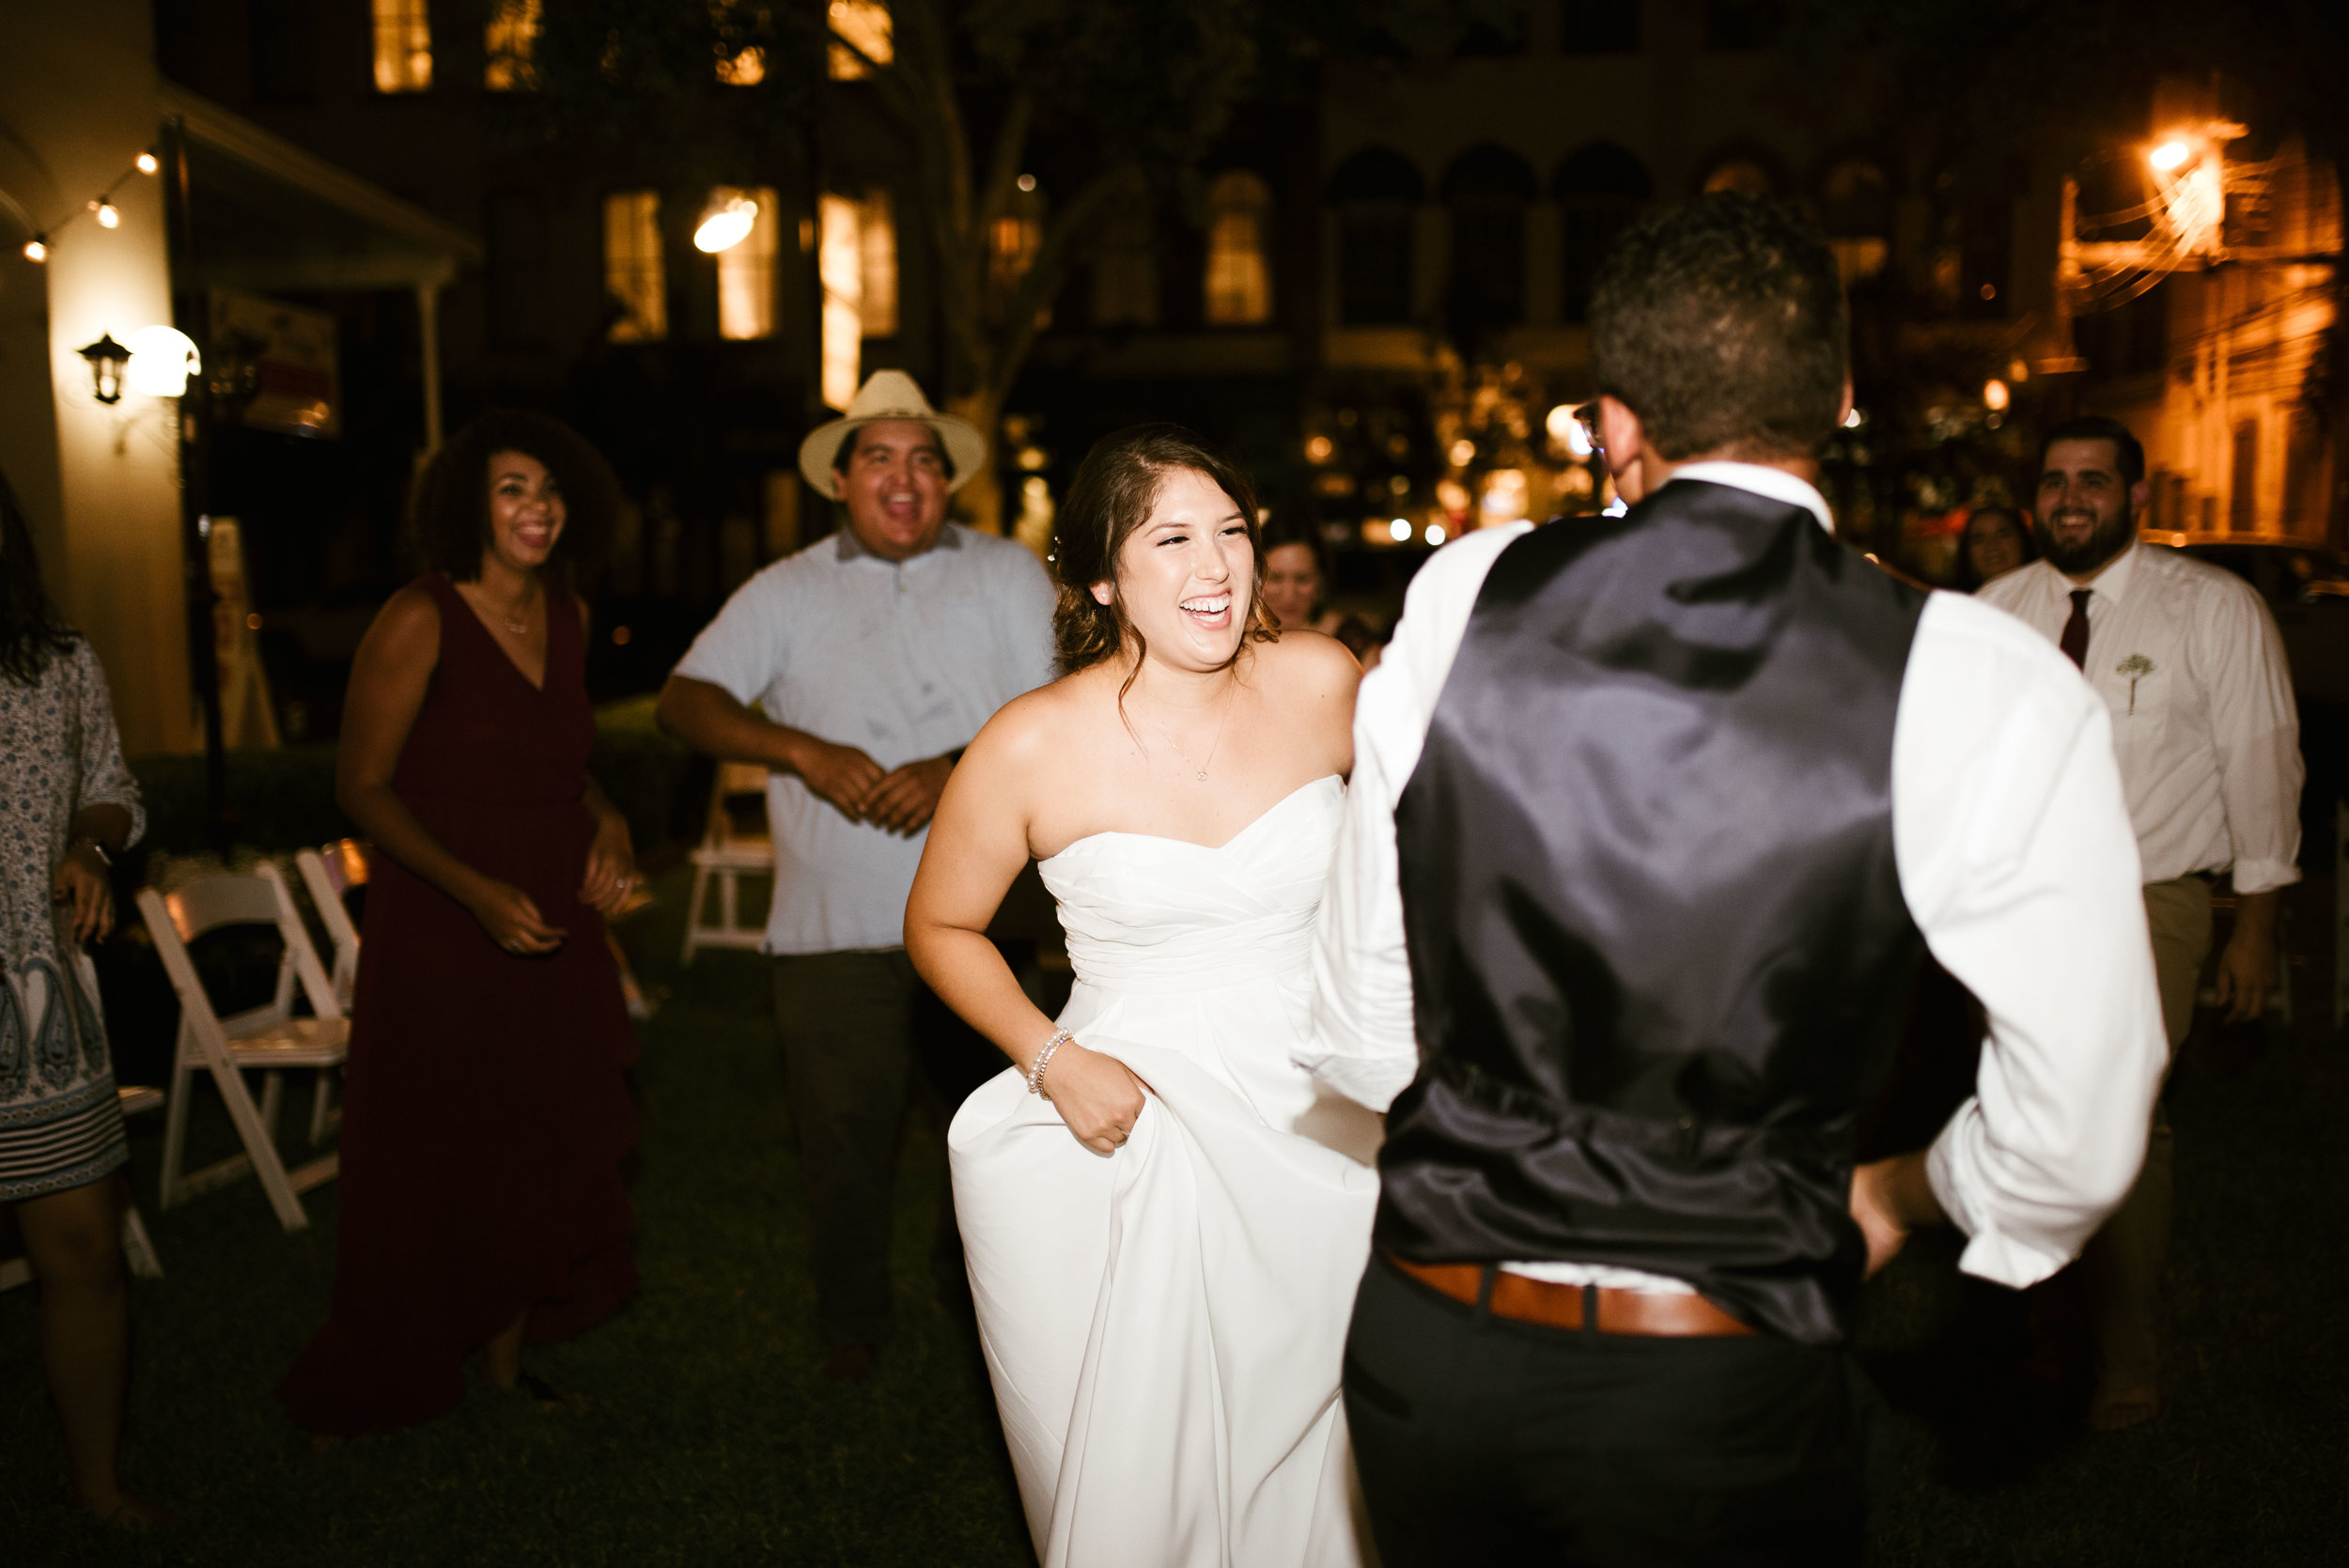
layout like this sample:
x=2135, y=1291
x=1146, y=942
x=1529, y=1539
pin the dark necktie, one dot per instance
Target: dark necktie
x=2075, y=639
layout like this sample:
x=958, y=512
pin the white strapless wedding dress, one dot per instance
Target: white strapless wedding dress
x=1164, y=1326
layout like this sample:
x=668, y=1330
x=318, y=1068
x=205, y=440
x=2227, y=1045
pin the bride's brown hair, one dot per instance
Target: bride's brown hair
x=1115, y=486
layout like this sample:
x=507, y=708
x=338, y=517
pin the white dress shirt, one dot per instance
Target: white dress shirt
x=2189, y=662
x=2015, y=859
x=901, y=659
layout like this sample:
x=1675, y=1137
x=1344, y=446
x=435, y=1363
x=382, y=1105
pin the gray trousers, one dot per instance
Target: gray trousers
x=862, y=1041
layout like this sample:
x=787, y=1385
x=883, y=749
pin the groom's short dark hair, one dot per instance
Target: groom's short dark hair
x=1721, y=324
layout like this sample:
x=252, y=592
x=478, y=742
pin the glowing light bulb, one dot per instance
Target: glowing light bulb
x=1399, y=530
x=107, y=216
x=36, y=250
x=2168, y=156
x=727, y=227
x=1566, y=427
x=161, y=360
x=147, y=162
x=1994, y=397
x=1435, y=534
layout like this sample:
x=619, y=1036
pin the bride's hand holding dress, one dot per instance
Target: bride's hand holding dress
x=1163, y=1245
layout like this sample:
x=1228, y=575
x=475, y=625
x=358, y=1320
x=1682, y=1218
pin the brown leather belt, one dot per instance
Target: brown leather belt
x=1620, y=1311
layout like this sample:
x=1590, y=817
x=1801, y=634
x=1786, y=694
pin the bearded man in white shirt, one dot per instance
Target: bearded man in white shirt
x=1651, y=817
x=2189, y=664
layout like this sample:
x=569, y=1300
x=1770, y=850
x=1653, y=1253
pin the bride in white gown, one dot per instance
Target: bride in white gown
x=1163, y=1243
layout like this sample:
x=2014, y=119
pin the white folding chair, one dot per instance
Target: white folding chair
x=327, y=875
x=138, y=1248
x=725, y=857
x=268, y=1038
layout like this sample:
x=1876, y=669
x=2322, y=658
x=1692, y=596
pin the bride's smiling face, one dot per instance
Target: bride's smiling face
x=1184, y=575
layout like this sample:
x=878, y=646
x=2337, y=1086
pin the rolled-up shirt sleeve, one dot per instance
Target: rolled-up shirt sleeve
x=2255, y=729
x=1364, y=1043
x=2019, y=864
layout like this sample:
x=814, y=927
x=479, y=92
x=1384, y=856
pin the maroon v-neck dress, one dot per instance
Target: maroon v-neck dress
x=486, y=1115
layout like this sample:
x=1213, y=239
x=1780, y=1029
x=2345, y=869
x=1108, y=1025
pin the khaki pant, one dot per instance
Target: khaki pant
x=2123, y=1263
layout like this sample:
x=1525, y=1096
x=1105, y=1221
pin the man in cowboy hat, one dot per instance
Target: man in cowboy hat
x=873, y=656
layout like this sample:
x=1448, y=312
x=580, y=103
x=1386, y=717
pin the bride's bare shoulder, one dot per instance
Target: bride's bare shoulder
x=1309, y=666
x=1030, y=728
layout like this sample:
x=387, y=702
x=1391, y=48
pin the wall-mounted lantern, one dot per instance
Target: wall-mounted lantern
x=107, y=359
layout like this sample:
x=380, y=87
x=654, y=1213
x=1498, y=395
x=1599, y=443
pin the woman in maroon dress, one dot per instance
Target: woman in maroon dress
x=485, y=1113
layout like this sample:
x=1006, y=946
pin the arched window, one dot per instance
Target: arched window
x=1376, y=194
x=1600, y=187
x=1239, y=269
x=1856, y=210
x=1488, y=189
x=1972, y=240
x=1741, y=172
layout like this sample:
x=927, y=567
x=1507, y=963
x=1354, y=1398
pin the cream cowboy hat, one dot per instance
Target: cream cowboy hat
x=891, y=394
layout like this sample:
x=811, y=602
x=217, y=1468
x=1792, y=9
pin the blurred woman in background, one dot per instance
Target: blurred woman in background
x=1297, y=589
x=68, y=806
x=1995, y=541
x=486, y=1113
x=1296, y=579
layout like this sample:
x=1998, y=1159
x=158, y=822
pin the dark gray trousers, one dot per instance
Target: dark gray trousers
x=863, y=1040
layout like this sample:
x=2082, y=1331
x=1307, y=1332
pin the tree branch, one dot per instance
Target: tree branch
x=1072, y=234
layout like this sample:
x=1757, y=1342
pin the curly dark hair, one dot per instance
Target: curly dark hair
x=1721, y=323
x=449, y=513
x=33, y=630
x=1112, y=495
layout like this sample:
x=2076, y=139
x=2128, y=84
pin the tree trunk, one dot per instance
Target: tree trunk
x=979, y=502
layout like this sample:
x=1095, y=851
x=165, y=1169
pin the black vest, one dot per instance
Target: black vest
x=1659, y=948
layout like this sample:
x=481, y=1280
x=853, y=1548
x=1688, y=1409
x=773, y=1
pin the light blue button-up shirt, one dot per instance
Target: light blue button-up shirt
x=901, y=659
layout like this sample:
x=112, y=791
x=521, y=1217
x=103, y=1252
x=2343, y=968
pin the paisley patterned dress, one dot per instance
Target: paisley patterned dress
x=61, y=1125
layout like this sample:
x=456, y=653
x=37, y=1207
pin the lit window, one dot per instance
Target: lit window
x=860, y=28
x=1239, y=277
x=745, y=69
x=1856, y=213
x=856, y=256
x=1012, y=245
x=877, y=255
x=746, y=271
x=840, y=263
x=1125, y=273
x=511, y=36
x=403, y=46
x=634, y=280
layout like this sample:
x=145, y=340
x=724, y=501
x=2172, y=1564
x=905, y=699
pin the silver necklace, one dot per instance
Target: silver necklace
x=1200, y=774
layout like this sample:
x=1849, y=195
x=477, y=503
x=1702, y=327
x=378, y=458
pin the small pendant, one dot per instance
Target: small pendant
x=1200, y=775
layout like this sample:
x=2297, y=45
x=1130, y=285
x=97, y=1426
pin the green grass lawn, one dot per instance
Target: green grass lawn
x=709, y=1440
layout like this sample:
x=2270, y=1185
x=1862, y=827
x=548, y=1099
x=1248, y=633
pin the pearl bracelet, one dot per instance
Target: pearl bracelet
x=1035, y=1074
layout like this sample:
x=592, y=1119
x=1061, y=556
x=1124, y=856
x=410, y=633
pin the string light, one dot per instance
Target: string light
x=101, y=206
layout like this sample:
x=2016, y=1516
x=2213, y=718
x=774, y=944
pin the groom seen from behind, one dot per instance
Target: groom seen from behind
x=1651, y=820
